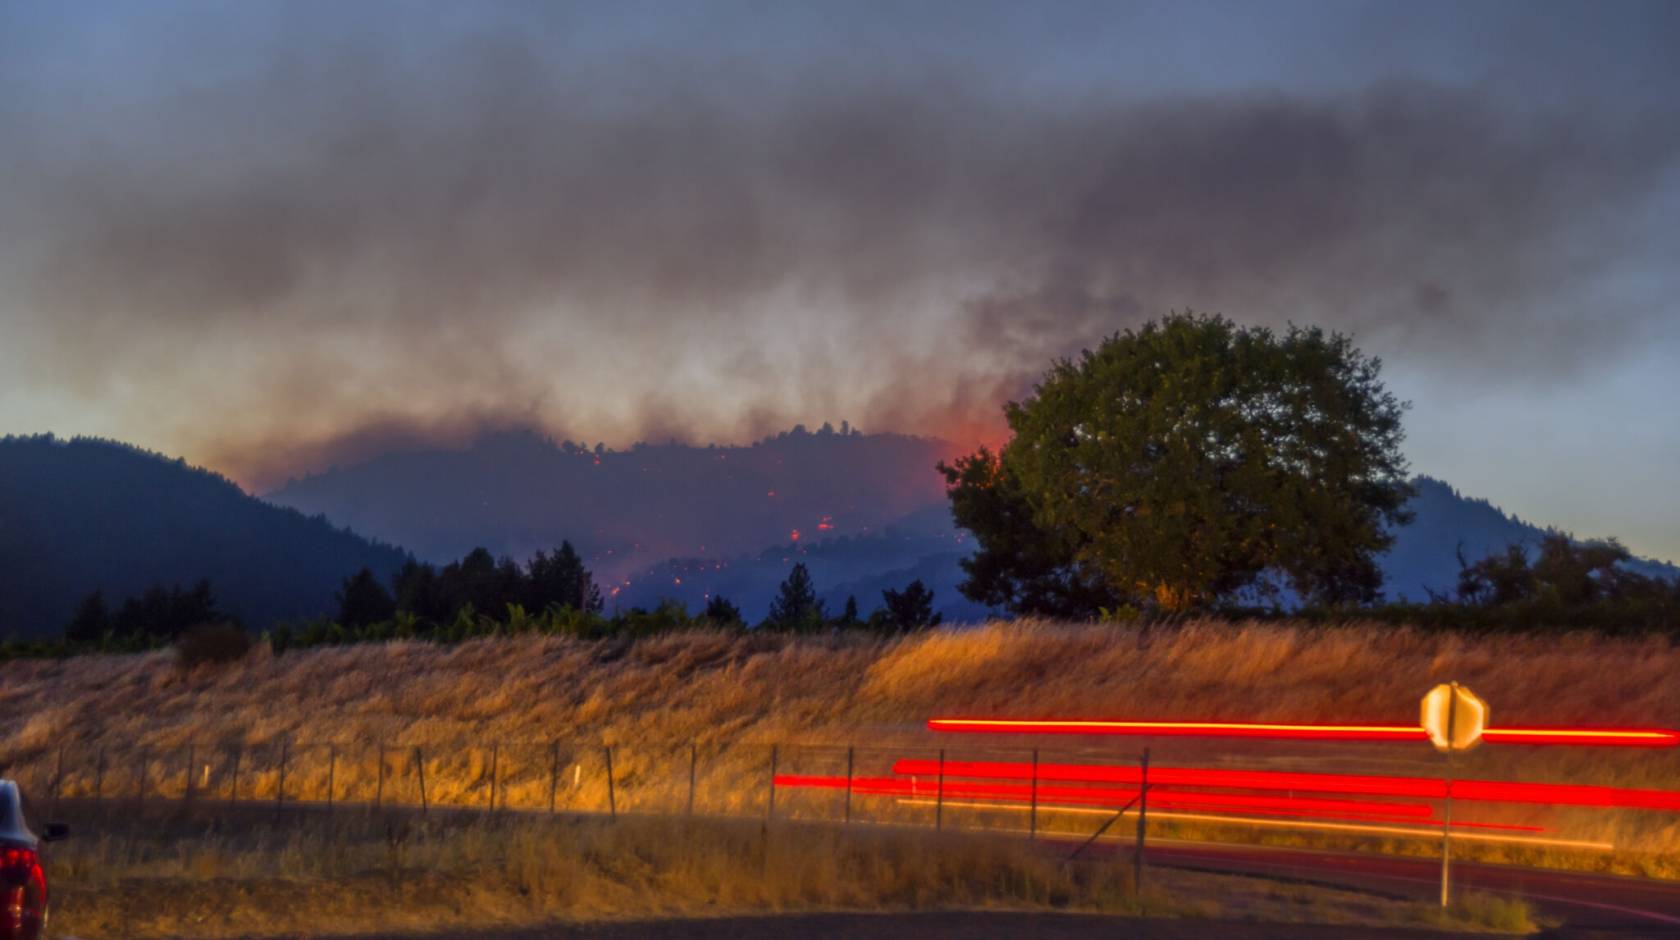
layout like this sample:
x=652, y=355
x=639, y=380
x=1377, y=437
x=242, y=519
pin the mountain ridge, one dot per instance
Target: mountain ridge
x=85, y=514
x=864, y=512
x=517, y=492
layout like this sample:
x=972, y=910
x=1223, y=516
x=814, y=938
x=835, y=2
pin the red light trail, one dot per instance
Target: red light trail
x=1489, y=791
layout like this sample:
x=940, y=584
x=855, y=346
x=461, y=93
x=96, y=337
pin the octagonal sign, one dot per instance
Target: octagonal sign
x=1454, y=717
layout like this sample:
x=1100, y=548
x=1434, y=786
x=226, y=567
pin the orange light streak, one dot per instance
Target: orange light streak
x=1409, y=832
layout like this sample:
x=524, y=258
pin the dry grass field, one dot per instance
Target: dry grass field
x=320, y=877
x=732, y=695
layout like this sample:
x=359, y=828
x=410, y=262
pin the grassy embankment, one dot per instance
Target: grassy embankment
x=734, y=695
x=323, y=877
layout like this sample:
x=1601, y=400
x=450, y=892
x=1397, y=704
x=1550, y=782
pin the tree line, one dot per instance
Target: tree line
x=556, y=594
x=475, y=596
x=1561, y=582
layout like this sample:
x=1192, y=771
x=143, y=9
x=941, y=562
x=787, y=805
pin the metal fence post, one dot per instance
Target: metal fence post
x=1143, y=817
x=553, y=774
x=770, y=811
x=939, y=795
x=1032, y=812
x=332, y=772
x=1446, y=834
x=693, y=761
x=848, y=785
x=612, y=797
x=495, y=756
x=420, y=765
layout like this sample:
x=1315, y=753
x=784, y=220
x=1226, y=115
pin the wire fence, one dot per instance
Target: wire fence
x=1064, y=793
x=815, y=782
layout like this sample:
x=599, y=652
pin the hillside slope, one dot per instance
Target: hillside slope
x=83, y=514
x=863, y=512
x=735, y=694
x=515, y=493
x=925, y=545
x=1425, y=554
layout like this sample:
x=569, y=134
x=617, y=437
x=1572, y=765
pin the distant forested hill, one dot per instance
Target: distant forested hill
x=517, y=492
x=1425, y=553
x=684, y=521
x=84, y=514
x=926, y=545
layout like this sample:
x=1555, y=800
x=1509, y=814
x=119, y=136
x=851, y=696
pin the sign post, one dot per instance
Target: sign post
x=1453, y=717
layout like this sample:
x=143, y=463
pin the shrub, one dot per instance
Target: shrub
x=1494, y=912
x=212, y=643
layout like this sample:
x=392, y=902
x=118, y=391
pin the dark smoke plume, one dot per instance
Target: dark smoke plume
x=342, y=246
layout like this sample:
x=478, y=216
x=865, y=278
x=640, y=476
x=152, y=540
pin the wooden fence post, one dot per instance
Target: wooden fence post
x=495, y=754
x=553, y=774
x=280, y=784
x=770, y=810
x=332, y=772
x=420, y=763
x=145, y=759
x=58, y=782
x=612, y=797
x=192, y=758
x=233, y=783
x=693, y=762
x=99, y=780
x=379, y=788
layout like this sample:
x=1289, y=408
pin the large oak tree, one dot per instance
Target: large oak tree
x=1184, y=464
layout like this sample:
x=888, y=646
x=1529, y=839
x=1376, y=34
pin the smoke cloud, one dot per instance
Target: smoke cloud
x=336, y=248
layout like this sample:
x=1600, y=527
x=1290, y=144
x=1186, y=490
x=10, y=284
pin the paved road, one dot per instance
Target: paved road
x=1585, y=903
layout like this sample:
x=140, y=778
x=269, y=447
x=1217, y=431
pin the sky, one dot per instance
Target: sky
x=271, y=237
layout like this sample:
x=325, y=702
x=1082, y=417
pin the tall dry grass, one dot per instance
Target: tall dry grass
x=315, y=876
x=731, y=695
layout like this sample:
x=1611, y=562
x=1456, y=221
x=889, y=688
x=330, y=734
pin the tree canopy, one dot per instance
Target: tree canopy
x=363, y=600
x=161, y=613
x=1187, y=463
x=911, y=608
x=796, y=607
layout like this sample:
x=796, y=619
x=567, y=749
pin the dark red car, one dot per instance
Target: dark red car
x=23, y=877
